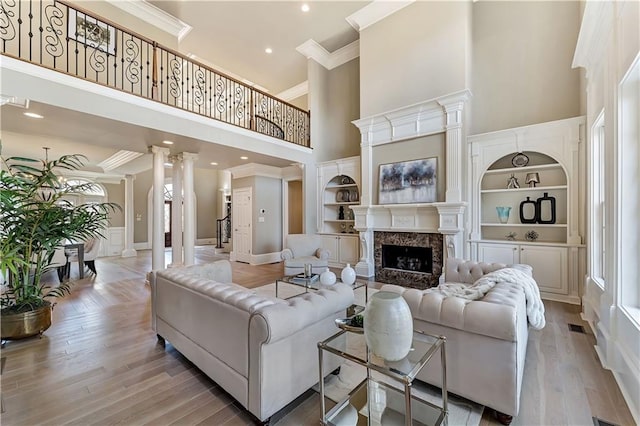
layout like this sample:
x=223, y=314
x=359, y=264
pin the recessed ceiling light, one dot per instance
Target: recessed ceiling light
x=213, y=163
x=33, y=115
x=167, y=142
x=304, y=7
x=244, y=158
x=268, y=50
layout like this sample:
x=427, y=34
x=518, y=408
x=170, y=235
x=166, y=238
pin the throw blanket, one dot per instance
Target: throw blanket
x=535, y=308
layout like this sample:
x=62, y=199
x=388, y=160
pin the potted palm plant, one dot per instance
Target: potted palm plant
x=37, y=217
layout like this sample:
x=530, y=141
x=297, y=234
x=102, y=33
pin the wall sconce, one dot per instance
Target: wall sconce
x=532, y=179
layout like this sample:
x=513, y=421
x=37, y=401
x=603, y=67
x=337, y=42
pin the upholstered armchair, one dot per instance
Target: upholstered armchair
x=301, y=249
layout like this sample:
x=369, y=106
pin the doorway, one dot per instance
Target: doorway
x=167, y=222
x=241, y=224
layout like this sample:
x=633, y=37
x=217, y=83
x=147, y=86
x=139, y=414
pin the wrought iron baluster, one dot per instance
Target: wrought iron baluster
x=7, y=27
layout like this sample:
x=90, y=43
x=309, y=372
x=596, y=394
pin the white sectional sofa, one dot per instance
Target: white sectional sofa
x=261, y=350
x=486, y=338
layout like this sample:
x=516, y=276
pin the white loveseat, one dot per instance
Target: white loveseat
x=261, y=350
x=486, y=338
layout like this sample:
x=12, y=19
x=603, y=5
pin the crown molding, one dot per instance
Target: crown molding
x=374, y=12
x=595, y=30
x=294, y=92
x=118, y=159
x=311, y=49
x=254, y=169
x=94, y=176
x=154, y=16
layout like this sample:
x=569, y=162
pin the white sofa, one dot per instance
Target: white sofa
x=486, y=338
x=261, y=350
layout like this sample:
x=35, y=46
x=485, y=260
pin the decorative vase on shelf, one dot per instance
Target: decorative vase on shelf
x=546, y=209
x=388, y=326
x=341, y=213
x=528, y=211
x=503, y=214
x=348, y=275
x=327, y=278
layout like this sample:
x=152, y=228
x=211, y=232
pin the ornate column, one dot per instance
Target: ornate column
x=128, y=251
x=157, y=239
x=453, y=106
x=189, y=240
x=176, y=212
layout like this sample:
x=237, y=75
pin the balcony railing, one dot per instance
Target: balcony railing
x=56, y=35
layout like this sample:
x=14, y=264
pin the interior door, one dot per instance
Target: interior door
x=167, y=223
x=241, y=222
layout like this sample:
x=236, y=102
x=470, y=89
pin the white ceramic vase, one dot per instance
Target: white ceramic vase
x=327, y=278
x=348, y=275
x=388, y=326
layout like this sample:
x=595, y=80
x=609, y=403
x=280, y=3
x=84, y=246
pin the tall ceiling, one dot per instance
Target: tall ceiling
x=234, y=35
x=230, y=35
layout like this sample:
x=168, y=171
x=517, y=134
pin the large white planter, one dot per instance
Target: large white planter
x=388, y=326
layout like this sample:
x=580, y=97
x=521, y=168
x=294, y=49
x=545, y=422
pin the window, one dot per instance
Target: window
x=598, y=221
x=629, y=196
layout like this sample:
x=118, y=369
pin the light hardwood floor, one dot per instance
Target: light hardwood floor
x=99, y=363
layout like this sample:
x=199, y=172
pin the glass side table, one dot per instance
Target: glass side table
x=375, y=400
x=308, y=284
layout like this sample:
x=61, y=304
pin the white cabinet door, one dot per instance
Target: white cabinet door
x=549, y=267
x=501, y=253
x=349, y=247
x=330, y=242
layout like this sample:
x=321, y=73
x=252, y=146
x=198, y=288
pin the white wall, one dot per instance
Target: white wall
x=608, y=44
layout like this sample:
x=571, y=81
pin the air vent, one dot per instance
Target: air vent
x=576, y=328
x=600, y=422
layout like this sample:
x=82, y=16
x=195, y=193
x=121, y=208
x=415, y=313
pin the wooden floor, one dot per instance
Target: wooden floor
x=99, y=363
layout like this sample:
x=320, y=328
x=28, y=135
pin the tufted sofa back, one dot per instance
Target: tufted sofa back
x=467, y=271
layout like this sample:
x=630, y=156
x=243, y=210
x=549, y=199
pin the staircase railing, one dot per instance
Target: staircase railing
x=74, y=41
x=223, y=230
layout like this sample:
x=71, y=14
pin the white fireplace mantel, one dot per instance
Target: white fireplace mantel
x=440, y=115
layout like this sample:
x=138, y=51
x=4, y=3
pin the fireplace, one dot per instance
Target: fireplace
x=409, y=259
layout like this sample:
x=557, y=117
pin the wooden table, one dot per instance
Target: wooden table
x=80, y=248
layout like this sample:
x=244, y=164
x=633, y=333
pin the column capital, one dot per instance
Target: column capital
x=129, y=177
x=175, y=158
x=188, y=156
x=153, y=149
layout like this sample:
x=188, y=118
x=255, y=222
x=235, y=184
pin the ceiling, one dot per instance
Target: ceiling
x=232, y=35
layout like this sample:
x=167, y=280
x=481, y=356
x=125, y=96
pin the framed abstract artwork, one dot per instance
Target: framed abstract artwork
x=92, y=32
x=408, y=182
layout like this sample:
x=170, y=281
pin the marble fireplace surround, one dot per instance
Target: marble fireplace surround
x=439, y=115
x=411, y=239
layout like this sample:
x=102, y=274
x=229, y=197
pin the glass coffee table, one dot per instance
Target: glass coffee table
x=385, y=395
x=309, y=284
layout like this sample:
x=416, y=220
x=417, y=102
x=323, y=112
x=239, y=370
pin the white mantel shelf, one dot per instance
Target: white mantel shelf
x=444, y=218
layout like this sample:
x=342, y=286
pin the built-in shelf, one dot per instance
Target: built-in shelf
x=348, y=185
x=527, y=225
x=524, y=169
x=343, y=203
x=527, y=189
x=339, y=220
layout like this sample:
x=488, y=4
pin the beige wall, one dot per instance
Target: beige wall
x=115, y=194
x=295, y=207
x=267, y=194
x=412, y=149
x=302, y=102
x=141, y=185
x=205, y=185
x=418, y=53
x=522, y=56
x=334, y=100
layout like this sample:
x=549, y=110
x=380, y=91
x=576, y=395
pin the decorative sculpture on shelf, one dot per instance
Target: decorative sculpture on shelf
x=546, y=209
x=531, y=235
x=526, y=215
x=341, y=213
x=511, y=236
x=513, y=182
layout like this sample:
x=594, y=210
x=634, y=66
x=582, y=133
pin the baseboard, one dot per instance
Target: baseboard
x=573, y=300
x=206, y=241
x=142, y=246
